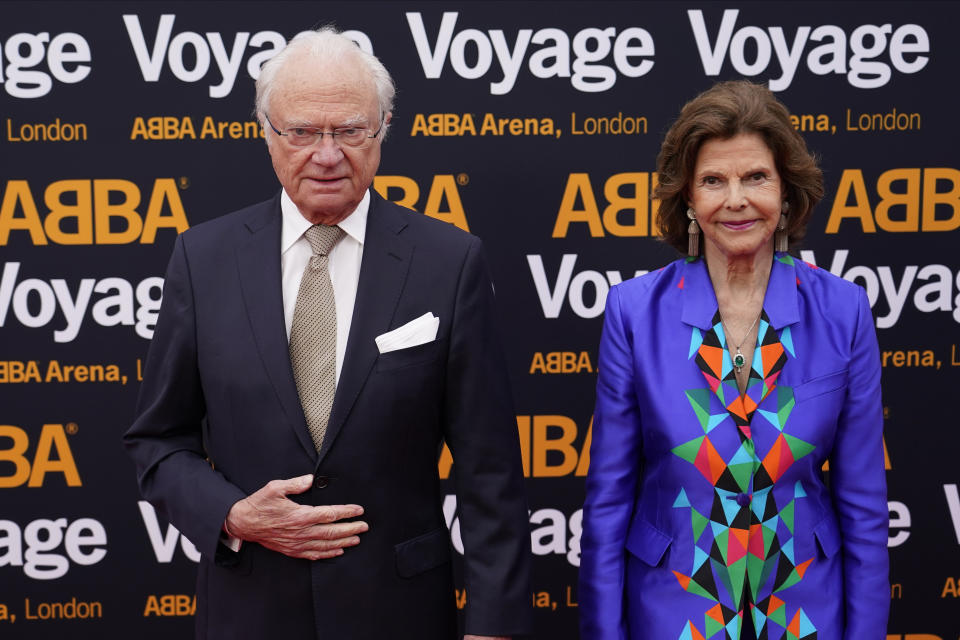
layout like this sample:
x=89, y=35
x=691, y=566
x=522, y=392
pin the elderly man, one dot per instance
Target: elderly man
x=311, y=354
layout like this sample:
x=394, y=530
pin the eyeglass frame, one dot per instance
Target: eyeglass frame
x=332, y=133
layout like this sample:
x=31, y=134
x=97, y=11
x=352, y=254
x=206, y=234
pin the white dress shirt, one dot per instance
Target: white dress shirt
x=343, y=262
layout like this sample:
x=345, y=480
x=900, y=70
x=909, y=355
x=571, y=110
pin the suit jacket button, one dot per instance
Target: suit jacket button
x=743, y=499
x=321, y=482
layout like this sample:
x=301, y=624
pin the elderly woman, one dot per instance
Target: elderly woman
x=726, y=380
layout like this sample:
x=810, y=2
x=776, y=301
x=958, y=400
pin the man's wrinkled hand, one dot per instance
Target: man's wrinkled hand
x=269, y=518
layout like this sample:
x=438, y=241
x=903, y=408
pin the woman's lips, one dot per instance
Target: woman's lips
x=739, y=226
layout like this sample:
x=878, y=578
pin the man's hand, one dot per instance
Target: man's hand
x=269, y=518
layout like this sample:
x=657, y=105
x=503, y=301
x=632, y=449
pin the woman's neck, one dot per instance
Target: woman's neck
x=739, y=280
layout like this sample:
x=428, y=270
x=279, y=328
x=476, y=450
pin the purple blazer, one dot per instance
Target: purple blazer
x=696, y=496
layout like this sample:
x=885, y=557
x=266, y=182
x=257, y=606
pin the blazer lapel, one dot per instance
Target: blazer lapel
x=258, y=260
x=383, y=272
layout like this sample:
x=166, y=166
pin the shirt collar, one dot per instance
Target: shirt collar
x=294, y=224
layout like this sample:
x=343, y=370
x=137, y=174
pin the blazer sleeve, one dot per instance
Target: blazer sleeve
x=480, y=429
x=611, y=484
x=858, y=483
x=165, y=440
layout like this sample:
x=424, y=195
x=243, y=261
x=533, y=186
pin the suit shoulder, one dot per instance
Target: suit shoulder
x=825, y=283
x=423, y=228
x=224, y=226
x=651, y=284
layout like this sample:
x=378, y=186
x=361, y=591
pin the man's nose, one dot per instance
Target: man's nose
x=326, y=151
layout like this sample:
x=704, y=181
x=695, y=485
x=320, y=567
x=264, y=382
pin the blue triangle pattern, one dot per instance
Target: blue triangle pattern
x=772, y=418
x=759, y=502
x=730, y=506
x=798, y=491
x=696, y=339
x=786, y=339
x=715, y=420
x=699, y=557
x=787, y=549
x=806, y=627
x=682, y=500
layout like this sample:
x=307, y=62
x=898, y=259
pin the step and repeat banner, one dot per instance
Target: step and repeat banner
x=533, y=125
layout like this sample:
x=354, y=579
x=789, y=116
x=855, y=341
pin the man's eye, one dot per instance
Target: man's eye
x=349, y=131
x=299, y=132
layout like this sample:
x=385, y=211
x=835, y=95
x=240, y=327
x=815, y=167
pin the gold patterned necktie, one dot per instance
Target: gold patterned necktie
x=313, y=335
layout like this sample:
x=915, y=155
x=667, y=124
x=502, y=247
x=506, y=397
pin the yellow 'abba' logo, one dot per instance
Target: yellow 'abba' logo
x=443, y=198
x=548, y=447
x=908, y=201
x=560, y=362
x=52, y=455
x=91, y=212
x=171, y=128
x=170, y=605
x=628, y=209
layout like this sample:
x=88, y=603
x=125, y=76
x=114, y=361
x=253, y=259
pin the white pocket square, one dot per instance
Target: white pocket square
x=418, y=331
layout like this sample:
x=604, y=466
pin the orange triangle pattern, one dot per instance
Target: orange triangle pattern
x=794, y=626
x=802, y=568
x=770, y=353
x=716, y=613
x=775, y=603
x=778, y=459
x=736, y=545
x=713, y=357
x=682, y=579
x=709, y=462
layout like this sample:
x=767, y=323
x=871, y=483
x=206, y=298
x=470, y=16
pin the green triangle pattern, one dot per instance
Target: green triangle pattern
x=711, y=626
x=786, y=514
x=785, y=403
x=699, y=523
x=722, y=540
x=738, y=573
x=754, y=572
x=798, y=447
x=689, y=450
x=700, y=401
x=720, y=571
x=791, y=580
x=741, y=473
x=769, y=567
x=779, y=616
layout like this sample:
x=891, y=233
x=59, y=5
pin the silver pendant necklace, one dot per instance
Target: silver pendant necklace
x=738, y=359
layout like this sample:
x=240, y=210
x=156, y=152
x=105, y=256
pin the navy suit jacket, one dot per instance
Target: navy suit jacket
x=219, y=416
x=697, y=494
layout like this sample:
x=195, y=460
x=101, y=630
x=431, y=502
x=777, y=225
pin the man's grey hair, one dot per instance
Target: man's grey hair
x=325, y=46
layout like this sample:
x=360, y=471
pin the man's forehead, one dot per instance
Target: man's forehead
x=309, y=84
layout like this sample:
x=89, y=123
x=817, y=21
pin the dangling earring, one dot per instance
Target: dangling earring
x=781, y=241
x=693, y=234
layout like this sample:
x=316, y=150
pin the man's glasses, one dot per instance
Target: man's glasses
x=306, y=136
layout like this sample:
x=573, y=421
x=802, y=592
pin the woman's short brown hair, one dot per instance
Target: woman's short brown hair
x=723, y=111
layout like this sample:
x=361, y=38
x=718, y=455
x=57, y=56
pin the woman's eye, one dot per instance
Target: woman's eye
x=711, y=180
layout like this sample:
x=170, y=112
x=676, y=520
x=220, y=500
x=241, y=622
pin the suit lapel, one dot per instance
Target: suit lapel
x=258, y=260
x=383, y=272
